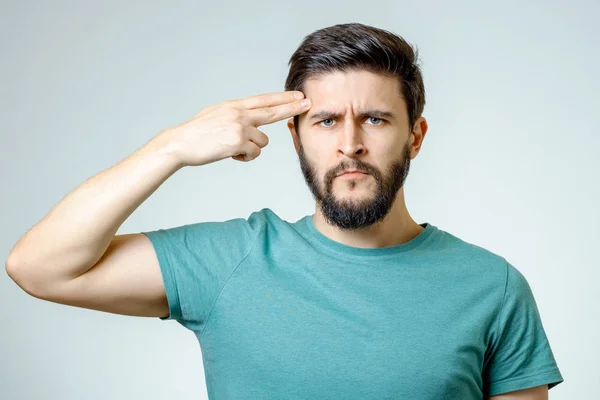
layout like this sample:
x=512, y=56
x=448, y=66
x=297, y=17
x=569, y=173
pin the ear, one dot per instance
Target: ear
x=295, y=138
x=417, y=136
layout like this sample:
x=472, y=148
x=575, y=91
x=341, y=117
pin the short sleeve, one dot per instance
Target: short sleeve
x=519, y=355
x=195, y=262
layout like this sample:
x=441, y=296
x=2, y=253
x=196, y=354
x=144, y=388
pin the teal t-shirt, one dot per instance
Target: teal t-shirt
x=283, y=312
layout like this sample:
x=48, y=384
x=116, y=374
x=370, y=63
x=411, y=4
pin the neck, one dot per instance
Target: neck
x=396, y=228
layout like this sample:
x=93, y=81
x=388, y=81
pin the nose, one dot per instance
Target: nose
x=351, y=140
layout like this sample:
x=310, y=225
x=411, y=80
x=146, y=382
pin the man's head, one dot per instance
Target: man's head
x=367, y=98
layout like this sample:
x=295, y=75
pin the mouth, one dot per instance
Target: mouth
x=353, y=174
x=351, y=171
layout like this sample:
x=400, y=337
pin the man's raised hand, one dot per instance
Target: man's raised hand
x=230, y=129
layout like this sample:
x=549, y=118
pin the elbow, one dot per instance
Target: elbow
x=15, y=271
x=11, y=267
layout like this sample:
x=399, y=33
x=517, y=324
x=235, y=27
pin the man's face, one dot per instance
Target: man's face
x=342, y=131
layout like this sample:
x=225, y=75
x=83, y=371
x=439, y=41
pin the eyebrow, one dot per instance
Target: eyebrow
x=368, y=113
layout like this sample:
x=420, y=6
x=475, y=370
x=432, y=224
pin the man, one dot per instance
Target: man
x=357, y=301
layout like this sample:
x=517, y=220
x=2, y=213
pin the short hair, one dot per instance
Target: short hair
x=354, y=47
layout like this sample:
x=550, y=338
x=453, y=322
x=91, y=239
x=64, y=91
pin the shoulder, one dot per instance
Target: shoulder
x=470, y=255
x=490, y=266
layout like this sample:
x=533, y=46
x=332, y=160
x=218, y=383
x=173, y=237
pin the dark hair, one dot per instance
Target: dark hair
x=352, y=47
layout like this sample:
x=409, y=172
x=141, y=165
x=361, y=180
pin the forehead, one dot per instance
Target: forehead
x=359, y=90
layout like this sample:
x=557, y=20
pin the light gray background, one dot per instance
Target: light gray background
x=509, y=163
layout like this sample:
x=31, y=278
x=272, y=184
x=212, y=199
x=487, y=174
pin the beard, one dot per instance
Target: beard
x=356, y=214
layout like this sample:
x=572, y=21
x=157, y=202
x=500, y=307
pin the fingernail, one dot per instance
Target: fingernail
x=305, y=102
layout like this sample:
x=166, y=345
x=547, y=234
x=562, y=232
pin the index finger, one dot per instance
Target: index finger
x=270, y=99
x=268, y=115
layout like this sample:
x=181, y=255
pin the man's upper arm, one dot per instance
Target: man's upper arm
x=519, y=356
x=534, y=393
x=126, y=280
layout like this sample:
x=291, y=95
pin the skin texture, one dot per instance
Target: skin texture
x=368, y=211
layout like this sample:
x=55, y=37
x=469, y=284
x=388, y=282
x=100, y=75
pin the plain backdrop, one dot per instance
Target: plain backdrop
x=510, y=161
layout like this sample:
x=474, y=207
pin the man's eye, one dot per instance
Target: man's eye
x=377, y=119
x=374, y=120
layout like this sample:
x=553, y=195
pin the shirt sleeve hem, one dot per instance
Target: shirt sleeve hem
x=551, y=378
x=169, y=280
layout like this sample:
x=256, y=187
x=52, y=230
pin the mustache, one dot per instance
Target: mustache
x=357, y=165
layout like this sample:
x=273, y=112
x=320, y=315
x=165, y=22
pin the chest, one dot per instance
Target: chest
x=371, y=337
